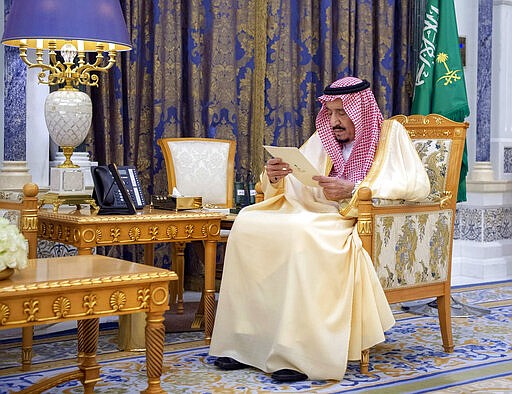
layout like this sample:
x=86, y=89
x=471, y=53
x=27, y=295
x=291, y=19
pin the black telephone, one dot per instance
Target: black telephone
x=117, y=190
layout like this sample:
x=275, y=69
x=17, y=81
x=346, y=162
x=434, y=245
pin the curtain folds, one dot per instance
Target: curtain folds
x=248, y=70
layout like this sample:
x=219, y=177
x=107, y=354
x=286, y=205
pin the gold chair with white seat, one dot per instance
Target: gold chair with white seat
x=199, y=167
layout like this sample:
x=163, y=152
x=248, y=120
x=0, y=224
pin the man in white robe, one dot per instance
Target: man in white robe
x=299, y=295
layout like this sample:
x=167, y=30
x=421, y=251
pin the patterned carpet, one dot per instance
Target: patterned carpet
x=410, y=361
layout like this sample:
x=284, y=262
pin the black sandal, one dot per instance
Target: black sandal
x=228, y=364
x=288, y=375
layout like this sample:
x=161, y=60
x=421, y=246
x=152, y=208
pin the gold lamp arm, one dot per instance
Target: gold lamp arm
x=71, y=74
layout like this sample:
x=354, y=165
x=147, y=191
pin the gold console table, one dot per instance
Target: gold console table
x=86, y=230
x=85, y=288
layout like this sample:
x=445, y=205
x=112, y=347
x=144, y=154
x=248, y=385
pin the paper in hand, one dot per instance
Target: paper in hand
x=302, y=168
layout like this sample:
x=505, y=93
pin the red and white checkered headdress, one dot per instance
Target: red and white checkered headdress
x=360, y=105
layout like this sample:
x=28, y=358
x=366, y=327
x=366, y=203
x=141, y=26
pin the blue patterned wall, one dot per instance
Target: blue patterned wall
x=15, y=119
x=483, y=117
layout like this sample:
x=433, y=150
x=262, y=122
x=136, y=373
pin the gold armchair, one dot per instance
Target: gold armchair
x=410, y=244
x=21, y=209
x=199, y=167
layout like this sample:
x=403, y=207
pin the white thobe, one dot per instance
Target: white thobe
x=298, y=290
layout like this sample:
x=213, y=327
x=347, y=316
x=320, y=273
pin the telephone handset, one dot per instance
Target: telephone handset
x=117, y=190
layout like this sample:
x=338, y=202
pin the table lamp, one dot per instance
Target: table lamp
x=71, y=27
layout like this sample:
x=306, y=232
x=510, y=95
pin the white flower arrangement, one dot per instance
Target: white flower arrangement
x=13, y=246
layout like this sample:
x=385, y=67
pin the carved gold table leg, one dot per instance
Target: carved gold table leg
x=199, y=317
x=209, y=288
x=88, y=332
x=180, y=270
x=155, y=332
x=79, y=341
x=26, y=348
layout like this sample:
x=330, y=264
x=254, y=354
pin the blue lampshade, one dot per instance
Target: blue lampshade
x=87, y=21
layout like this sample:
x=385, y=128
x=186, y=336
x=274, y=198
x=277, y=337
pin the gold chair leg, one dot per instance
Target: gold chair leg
x=365, y=361
x=445, y=322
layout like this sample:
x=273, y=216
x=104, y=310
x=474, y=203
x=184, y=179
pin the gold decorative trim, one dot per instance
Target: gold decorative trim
x=29, y=223
x=431, y=133
x=89, y=303
x=446, y=199
x=364, y=226
x=143, y=297
x=153, y=231
x=30, y=309
x=88, y=235
x=154, y=217
x=214, y=229
x=189, y=230
x=61, y=307
x=159, y=295
x=134, y=233
x=4, y=314
x=171, y=231
x=117, y=300
x=115, y=232
x=116, y=303
x=91, y=281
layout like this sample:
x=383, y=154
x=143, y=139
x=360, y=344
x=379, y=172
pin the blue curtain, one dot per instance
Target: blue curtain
x=248, y=70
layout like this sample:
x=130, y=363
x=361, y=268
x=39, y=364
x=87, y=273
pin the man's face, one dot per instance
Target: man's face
x=342, y=127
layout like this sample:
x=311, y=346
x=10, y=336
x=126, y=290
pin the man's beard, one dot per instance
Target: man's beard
x=340, y=140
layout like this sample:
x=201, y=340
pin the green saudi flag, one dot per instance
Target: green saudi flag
x=439, y=84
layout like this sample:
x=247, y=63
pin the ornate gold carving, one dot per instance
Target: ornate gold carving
x=117, y=300
x=88, y=235
x=98, y=234
x=153, y=231
x=89, y=303
x=43, y=228
x=214, y=229
x=76, y=235
x=172, y=231
x=59, y=231
x=143, y=297
x=134, y=233
x=29, y=223
x=430, y=133
x=68, y=234
x=98, y=280
x=364, y=226
x=4, y=314
x=159, y=295
x=61, y=306
x=189, y=230
x=115, y=232
x=446, y=199
x=30, y=309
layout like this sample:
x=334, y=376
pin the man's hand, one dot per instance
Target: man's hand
x=335, y=189
x=277, y=169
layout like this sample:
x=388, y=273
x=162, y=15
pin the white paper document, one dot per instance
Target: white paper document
x=302, y=168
